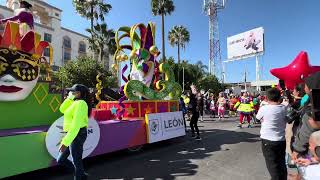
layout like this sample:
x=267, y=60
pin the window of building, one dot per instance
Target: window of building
x=48, y=37
x=57, y=14
x=55, y=68
x=46, y=52
x=66, y=42
x=66, y=48
x=1, y=25
x=66, y=56
x=82, y=48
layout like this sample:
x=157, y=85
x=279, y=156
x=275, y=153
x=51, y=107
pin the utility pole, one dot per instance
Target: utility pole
x=245, y=78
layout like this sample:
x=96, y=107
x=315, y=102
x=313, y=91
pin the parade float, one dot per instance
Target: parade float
x=146, y=110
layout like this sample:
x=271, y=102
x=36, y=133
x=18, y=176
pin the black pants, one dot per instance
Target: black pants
x=194, y=123
x=76, y=150
x=185, y=122
x=213, y=113
x=274, y=154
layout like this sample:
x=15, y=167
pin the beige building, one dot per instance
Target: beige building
x=67, y=44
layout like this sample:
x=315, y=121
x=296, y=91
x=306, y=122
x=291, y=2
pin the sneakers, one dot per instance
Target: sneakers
x=193, y=135
x=198, y=138
x=249, y=126
x=239, y=125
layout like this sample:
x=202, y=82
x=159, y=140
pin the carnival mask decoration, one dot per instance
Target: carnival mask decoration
x=20, y=59
x=143, y=51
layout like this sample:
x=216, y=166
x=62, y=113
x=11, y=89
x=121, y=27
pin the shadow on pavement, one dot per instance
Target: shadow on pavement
x=164, y=160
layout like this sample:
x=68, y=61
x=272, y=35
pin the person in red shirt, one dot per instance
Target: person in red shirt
x=233, y=101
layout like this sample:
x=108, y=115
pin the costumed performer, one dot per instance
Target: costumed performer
x=221, y=105
x=245, y=108
x=23, y=16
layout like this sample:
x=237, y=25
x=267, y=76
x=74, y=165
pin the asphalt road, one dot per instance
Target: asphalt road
x=225, y=152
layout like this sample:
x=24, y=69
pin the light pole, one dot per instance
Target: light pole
x=182, y=78
x=183, y=63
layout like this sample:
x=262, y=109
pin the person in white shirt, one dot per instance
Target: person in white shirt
x=273, y=125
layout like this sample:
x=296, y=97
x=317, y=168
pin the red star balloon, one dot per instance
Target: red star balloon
x=294, y=73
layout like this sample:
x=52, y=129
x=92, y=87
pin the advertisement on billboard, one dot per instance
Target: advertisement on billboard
x=246, y=44
x=163, y=126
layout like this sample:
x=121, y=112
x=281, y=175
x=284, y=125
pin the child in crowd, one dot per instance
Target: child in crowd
x=212, y=107
x=273, y=125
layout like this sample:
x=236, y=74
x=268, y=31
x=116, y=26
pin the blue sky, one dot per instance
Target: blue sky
x=290, y=26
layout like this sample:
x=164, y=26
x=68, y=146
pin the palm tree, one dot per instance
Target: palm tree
x=203, y=68
x=93, y=10
x=162, y=8
x=102, y=37
x=179, y=36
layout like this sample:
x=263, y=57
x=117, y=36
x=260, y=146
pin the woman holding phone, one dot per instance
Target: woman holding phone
x=76, y=109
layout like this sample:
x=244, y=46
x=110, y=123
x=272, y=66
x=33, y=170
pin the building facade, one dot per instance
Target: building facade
x=252, y=86
x=66, y=43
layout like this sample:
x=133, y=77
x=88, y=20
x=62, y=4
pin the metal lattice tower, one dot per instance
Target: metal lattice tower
x=211, y=8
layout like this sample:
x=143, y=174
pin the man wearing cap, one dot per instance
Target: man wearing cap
x=309, y=125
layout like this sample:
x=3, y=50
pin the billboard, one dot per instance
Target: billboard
x=246, y=44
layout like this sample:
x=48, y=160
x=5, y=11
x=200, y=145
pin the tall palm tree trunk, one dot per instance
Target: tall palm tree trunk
x=91, y=23
x=178, y=53
x=163, y=46
x=91, y=18
x=102, y=57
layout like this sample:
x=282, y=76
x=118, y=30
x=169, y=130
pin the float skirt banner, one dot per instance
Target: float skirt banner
x=136, y=110
x=246, y=44
x=56, y=133
x=163, y=126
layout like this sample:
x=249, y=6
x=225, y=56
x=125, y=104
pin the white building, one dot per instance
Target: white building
x=252, y=86
x=67, y=44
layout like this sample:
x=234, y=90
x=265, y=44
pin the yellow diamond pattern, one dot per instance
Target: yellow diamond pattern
x=40, y=97
x=54, y=104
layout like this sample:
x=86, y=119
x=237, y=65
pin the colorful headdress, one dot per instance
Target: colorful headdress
x=144, y=40
x=16, y=50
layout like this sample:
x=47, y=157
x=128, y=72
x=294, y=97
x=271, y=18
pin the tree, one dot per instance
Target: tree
x=210, y=82
x=162, y=8
x=84, y=71
x=102, y=37
x=170, y=61
x=95, y=11
x=179, y=36
x=203, y=68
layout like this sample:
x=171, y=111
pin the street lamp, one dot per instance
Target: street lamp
x=183, y=63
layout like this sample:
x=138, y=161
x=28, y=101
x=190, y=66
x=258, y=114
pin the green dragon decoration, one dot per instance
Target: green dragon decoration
x=144, y=67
